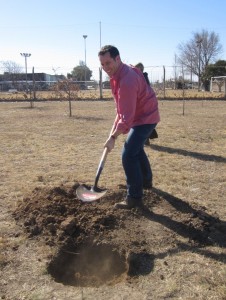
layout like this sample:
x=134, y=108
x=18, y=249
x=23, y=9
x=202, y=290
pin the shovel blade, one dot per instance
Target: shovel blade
x=89, y=195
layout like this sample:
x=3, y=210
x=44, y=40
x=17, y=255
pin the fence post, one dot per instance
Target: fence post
x=224, y=87
x=183, y=88
x=33, y=78
x=31, y=102
x=100, y=84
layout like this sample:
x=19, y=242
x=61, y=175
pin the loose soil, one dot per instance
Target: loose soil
x=95, y=244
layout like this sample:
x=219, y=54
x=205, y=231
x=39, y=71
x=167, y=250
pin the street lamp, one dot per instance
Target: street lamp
x=26, y=55
x=85, y=36
x=199, y=43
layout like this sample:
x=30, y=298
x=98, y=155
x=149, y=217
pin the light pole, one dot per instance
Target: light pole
x=85, y=36
x=100, y=71
x=26, y=55
x=199, y=43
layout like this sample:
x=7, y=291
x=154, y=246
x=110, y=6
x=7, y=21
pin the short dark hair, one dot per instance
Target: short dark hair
x=113, y=51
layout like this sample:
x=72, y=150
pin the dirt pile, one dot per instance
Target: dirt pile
x=95, y=244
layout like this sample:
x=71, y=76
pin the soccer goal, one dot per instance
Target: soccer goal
x=218, y=84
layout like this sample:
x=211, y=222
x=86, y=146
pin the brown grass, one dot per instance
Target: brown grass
x=43, y=146
x=106, y=94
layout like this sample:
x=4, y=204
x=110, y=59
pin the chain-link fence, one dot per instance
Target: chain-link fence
x=167, y=81
x=161, y=77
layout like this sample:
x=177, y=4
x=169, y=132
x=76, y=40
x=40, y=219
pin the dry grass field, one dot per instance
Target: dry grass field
x=54, y=247
x=106, y=93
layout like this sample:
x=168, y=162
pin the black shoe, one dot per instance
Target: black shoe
x=129, y=203
x=147, y=185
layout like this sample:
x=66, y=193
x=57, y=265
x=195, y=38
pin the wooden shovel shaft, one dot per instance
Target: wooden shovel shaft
x=100, y=167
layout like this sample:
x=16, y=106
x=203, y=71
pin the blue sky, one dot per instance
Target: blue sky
x=145, y=30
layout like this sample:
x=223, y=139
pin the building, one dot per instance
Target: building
x=18, y=81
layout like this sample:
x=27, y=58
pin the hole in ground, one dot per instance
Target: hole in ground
x=88, y=264
x=139, y=263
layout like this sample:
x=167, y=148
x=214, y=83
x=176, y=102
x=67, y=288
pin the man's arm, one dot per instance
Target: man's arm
x=114, y=133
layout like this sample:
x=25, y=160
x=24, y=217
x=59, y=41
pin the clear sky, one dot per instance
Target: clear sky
x=145, y=30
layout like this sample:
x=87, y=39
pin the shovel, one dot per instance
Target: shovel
x=89, y=195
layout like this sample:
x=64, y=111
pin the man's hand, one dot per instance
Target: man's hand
x=110, y=143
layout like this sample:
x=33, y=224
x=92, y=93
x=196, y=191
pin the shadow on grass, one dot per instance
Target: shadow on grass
x=221, y=257
x=200, y=228
x=197, y=155
x=86, y=118
x=34, y=108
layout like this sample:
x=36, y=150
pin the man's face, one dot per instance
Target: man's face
x=109, y=64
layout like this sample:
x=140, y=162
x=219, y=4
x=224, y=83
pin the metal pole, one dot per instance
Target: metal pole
x=183, y=89
x=26, y=72
x=199, y=68
x=175, y=73
x=100, y=81
x=34, y=92
x=100, y=34
x=164, y=82
x=211, y=84
x=199, y=43
x=25, y=55
x=85, y=36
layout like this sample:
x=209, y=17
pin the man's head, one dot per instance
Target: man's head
x=110, y=59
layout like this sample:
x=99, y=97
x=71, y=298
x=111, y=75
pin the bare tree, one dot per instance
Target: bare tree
x=203, y=49
x=11, y=71
x=66, y=87
x=11, y=67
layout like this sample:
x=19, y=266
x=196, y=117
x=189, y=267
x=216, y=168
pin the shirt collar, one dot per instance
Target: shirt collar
x=118, y=72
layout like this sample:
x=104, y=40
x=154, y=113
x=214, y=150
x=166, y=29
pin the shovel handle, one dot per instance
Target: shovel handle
x=101, y=166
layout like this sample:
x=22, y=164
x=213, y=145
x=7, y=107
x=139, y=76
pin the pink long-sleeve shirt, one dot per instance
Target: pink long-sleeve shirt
x=136, y=102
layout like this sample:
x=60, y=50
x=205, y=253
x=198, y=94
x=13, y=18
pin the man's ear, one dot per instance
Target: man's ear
x=117, y=58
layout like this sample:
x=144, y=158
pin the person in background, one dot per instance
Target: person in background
x=141, y=67
x=137, y=114
x=154, y=134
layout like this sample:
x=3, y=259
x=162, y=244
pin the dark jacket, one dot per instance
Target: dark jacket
x=146, y=78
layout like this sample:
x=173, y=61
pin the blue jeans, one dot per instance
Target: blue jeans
x=135, y=162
